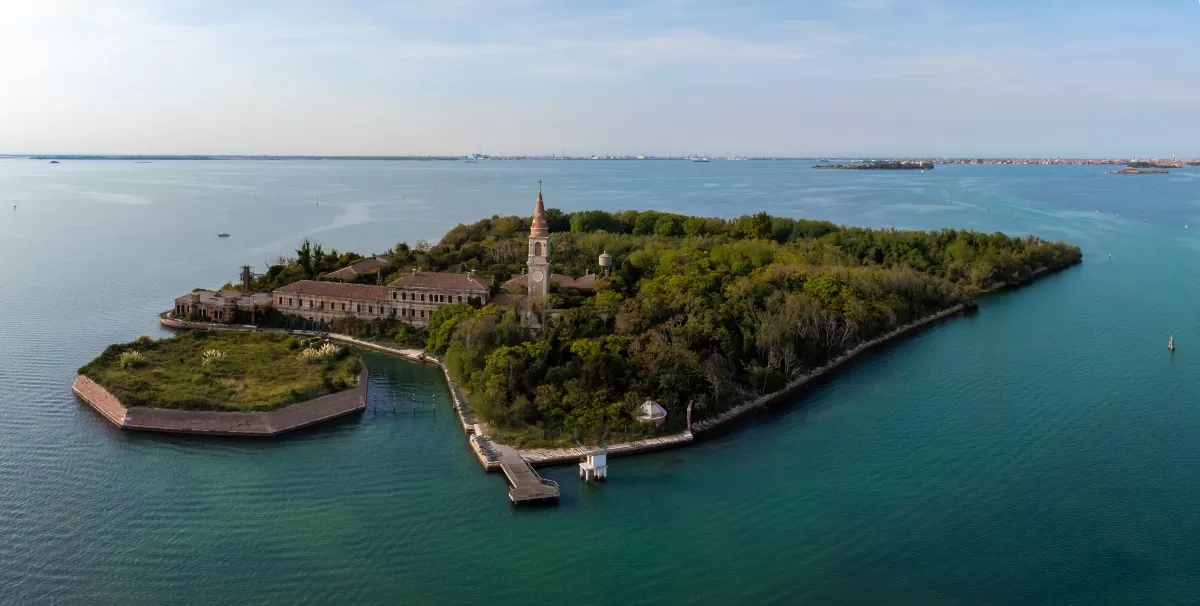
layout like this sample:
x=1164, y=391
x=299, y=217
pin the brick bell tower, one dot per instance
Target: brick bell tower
x=539, y=250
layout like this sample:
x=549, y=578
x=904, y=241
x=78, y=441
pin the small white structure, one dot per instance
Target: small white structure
x=594, y=466
x=605, y=263
x=651, y=412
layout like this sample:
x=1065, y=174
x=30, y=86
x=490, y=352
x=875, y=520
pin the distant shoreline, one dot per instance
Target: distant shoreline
x=1030, y=161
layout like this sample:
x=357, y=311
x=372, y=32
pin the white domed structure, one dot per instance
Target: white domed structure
x=651, y=412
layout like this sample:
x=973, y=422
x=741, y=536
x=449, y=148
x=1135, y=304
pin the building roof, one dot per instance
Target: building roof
x=366, y=266
x=341, y=290
x=433, y=280
x=585, y=283
x=224, y=297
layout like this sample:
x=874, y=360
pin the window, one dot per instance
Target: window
x=422, y=313
x=403, y=296
x=358, y=307
x=343, y=307
x=310, y=303
x=370, y=309
x=393, y=295
x=322, y=305
x=289, y=301
x=281, y=300
x=460, y=298
x=422, y=296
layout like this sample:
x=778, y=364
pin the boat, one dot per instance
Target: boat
x=54, y=161
x=223, y=234
x=1171, y=344
x=699, y=159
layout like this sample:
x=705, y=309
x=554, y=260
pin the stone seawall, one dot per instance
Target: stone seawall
x=219, y=423
x=484, y=449
x=560, y=456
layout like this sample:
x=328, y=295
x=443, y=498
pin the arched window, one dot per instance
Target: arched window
x=537, y=249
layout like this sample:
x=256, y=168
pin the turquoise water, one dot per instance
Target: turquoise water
x=1044, y=450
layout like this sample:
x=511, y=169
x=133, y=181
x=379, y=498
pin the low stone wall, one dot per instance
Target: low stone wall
x=217, y=423
x=477, y=441
x=561, y=456
x=540, y=457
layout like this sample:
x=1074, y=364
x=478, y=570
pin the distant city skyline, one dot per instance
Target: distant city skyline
x=821, y=78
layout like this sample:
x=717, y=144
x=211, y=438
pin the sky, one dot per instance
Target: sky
x=656, y=77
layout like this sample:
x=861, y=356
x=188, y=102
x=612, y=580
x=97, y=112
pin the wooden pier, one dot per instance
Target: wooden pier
x=527, y=485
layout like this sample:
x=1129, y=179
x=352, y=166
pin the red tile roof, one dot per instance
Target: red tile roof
x=441, y=281
x=587, y=282
x=365, y=266
x=340, y=290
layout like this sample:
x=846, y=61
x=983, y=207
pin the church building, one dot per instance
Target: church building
x=537, y=278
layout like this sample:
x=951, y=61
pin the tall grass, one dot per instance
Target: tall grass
x=220, y=370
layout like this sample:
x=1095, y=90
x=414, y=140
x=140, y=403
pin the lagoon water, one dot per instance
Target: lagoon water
x=1044, y=450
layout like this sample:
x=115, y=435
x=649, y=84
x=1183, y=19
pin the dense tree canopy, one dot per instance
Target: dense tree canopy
x=702, y=310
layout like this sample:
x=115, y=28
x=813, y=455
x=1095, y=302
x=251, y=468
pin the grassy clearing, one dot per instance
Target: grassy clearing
x=222, y=370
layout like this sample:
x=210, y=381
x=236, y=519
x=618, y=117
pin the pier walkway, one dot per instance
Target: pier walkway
x=527, y=485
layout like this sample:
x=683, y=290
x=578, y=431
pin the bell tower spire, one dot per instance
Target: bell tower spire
x=539, y=249
x=540, y=227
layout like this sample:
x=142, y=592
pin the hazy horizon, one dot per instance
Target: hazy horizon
x=823, y=78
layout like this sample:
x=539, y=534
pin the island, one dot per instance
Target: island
x=1136, y=171
x=223, y=383
x=879, y=165
x=625, y=327
x=1154, y=164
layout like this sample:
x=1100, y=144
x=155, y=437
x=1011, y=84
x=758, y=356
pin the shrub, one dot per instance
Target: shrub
x=212, y=355
x=131, y=359
x=322, y=353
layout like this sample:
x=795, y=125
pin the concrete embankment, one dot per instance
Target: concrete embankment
x=486, y=452
x=220, y=423
x=559, y=456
